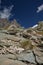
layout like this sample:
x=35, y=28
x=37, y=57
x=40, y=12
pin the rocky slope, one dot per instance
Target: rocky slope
x=19, y=46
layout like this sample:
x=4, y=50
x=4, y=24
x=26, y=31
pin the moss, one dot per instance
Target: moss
x=26, y=44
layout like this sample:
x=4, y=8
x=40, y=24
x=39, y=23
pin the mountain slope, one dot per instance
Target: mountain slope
x=19, y=46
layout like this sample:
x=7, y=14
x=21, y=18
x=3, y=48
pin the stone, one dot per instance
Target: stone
x=19, y=46
x=27, y=57
x=39, y=59
x=6, y=61
x=38, y=55
x=15, y=49
x=10, y=56
x=31, y=64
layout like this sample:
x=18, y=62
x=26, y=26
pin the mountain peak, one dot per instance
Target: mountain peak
x=14, y=22
x=5, y=23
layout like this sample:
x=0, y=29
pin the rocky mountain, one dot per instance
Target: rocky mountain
x=5, y=23
x=19, y=46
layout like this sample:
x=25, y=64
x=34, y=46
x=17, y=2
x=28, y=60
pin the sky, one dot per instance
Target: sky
x=26, y=12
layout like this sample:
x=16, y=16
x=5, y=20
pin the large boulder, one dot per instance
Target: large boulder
x=27, y=57
x=6, y=61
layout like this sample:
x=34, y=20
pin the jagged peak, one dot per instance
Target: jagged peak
x=14, y=22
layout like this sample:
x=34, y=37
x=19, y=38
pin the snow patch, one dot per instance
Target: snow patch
x=35, y=26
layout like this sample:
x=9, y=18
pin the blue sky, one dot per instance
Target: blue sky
x=27, y=12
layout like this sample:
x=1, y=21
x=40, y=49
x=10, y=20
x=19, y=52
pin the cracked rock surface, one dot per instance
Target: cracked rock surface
x=19, y=46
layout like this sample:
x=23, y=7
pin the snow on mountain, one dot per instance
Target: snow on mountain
x=35, y=26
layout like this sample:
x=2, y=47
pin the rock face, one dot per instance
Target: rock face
x=19, y=46
x=4, y=23
x=28, y=57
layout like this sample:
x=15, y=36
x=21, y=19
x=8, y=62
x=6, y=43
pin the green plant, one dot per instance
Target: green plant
x=27, y=44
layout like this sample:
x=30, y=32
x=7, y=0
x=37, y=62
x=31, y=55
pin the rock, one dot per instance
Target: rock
x=13, y=49
x=40, y=26
x=19, y=46
x=16, y=62
x=39, y=59
x=6, y=61
x=31, y=64
x=27, y=57
x=39, y=55
x=26, y=35
x=18, y=49
x=14, y=24
x=4, y=23
x=10, y=56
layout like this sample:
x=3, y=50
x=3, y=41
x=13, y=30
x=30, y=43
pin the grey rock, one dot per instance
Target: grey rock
x=39, y=59
x=5, y=61
x=31, y=64
x=39, y=55
x=29, y=57
x=10, y=56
